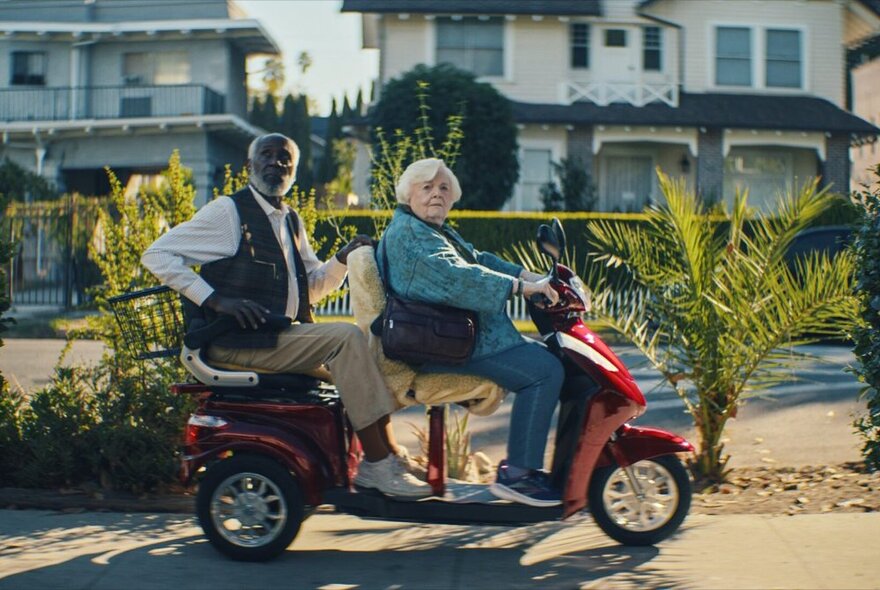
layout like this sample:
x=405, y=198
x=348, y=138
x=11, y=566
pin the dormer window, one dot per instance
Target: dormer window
x=472, y=44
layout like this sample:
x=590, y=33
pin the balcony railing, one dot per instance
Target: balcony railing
x=108, y=102
x=605, y=93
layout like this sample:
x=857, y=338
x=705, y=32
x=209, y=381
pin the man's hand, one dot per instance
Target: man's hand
x=356, y=242
x=249, y=314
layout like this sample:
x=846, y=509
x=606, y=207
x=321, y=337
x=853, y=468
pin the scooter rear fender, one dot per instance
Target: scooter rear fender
x=636, y=443
x=287, y=449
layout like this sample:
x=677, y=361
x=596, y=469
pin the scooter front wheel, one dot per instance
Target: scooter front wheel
x=249, y=507
x=642, y=504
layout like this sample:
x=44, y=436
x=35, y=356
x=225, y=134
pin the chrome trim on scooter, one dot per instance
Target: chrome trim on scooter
x=192, y=360
x=585, y=350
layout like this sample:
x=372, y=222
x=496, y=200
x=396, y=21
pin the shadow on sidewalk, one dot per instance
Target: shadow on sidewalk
x=332, y=552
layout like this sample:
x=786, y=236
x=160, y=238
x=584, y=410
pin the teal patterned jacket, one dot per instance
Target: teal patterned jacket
x=423, y=266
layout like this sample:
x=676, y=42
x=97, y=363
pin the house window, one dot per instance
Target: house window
x=580, y=45
x=733, y=56
x=763, y=172
x=156, y=68
x=472, y=44
x=28, y=68
x=783, y=59
x=536, y=172
x=615, y=38
x=652, y=49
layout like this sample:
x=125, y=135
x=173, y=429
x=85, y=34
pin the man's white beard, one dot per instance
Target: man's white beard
x=271, y=190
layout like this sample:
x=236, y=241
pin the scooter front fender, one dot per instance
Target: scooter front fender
x=636, y=443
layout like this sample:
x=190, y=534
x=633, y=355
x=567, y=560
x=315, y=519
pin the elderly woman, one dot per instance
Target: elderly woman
x=428, y=261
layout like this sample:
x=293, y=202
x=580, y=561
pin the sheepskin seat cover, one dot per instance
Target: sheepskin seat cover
x=368, y=301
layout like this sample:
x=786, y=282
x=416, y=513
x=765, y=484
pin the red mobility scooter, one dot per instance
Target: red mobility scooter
x=267, y=449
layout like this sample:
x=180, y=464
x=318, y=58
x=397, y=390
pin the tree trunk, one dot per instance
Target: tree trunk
x=710, y=461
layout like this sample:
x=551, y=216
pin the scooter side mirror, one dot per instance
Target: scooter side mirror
x=559, y=233
x=548, y=242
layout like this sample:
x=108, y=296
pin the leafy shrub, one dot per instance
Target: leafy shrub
x=57, y=430
x=487, y=166
x=867, y=334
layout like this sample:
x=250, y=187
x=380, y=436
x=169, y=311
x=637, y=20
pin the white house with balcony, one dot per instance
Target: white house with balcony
x=91, y=83
x=725, y=93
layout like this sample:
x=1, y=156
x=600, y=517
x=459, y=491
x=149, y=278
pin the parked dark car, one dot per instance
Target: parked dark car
x=830, y=239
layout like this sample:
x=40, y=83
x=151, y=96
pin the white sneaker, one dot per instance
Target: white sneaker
x=408, y=464
x=389, y=477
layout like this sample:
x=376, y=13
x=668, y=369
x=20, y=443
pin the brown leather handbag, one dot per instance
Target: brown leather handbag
x=416, y=332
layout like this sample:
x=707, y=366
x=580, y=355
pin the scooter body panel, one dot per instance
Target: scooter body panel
x=305, y=438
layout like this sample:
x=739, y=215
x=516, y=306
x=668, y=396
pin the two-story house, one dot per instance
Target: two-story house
x=864, y=59
x=91, y=83
x=725, y=93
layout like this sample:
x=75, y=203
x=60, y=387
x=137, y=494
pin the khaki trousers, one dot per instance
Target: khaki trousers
x=341, y=347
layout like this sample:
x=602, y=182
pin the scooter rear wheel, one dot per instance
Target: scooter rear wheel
x=646, y=518
x=249, y=507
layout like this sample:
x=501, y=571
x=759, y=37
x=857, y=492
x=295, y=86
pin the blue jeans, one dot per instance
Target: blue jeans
x=535, y=376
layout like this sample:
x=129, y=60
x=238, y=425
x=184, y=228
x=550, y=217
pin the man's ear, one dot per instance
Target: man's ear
x=247, y=165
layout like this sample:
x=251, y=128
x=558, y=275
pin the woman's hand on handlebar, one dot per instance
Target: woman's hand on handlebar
x=249, y=314
x=541, y=288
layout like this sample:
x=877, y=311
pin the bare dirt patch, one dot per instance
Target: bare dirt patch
x=847, y=487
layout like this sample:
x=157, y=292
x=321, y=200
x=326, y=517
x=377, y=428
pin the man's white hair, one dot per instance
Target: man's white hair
x=294, y=149
x=423, y=171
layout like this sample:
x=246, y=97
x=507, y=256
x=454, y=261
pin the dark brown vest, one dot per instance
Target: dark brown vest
x=257, y=272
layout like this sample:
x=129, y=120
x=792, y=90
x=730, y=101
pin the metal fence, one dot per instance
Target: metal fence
x=50, y=266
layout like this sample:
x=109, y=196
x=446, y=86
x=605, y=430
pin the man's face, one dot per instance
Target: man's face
x=272, y=169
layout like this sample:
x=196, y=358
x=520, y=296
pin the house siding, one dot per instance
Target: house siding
x=822, y=23
x=406, y=43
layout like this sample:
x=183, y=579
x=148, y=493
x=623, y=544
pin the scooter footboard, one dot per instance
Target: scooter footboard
x=636, y=443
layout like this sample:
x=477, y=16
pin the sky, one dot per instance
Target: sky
x=332, y=39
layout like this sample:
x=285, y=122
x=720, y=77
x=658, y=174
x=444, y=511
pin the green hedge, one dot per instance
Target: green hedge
x=497, y=231
x=493, y=231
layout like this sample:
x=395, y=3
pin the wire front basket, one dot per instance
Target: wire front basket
x=151, y=322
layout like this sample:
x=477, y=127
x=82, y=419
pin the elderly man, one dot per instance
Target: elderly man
x=256, y=259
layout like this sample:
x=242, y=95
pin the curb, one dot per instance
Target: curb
x=75, y=501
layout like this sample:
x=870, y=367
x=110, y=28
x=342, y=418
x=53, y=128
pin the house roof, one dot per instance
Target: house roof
x=873, y=5
x=247, y=33
x=732, y=111
x=549, y=7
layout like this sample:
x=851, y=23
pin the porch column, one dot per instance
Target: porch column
x=710, y=164
x=203, y=180
x=580, y=147
x=836, y=167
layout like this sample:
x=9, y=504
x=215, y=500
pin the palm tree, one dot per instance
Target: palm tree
x=714, y=304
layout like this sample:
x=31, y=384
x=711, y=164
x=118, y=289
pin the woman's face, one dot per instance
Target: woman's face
x=432, y=199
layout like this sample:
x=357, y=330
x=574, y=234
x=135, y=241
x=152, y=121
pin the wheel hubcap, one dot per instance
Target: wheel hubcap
x=650, y=509
x=248, y=510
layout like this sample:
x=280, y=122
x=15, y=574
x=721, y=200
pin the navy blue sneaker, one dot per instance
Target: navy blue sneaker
x=533, y=488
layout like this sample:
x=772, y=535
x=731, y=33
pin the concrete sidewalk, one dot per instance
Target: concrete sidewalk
x=140, y=551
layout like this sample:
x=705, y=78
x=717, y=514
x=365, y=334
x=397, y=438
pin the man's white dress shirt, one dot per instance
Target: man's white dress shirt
x=214, y=233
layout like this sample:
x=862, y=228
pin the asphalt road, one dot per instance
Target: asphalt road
x=807, y=421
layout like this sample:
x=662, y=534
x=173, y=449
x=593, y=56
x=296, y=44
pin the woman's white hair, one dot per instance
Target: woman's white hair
x=423, y=171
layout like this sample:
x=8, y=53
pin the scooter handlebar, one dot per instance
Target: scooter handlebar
x=199, y=337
